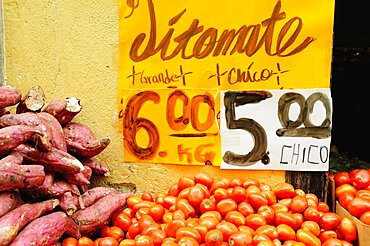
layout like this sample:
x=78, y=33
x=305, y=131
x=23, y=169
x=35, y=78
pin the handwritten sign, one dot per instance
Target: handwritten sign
x=276, y=129
x=177, y=56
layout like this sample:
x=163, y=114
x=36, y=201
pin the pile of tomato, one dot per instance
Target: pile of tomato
x=202, y=211
x=353, y=192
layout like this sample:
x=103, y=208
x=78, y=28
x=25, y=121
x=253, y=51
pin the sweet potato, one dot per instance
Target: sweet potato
x=54, y=160
x=82, y=141
x=96, y=166
x=9, y=201
x=4, y=111
x=56, y=131
x=64, y=110
x=90, y=196
x=12, y=136
x=81, y=178
x=43, y=141
x=94, y=217
x=33, y=101
x=20, y=176
x=46, y=230
x=13, y=158
x=69, y=202
x=13, y=222
x=9, y=96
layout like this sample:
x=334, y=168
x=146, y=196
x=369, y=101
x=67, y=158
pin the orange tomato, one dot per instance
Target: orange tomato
x=122, y=220
x=85, y=241
x=70, y=241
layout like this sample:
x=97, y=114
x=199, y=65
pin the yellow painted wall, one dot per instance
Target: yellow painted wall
x=70, y=48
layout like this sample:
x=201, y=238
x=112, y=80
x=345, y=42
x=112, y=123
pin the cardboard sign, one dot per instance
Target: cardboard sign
x=194, y=50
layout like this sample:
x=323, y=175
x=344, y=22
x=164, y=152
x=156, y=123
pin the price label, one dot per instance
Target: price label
x=171, y=126
x=278, y=129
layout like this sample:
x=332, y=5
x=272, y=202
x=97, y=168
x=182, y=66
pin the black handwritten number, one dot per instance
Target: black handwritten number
x=190, y=111
x=292, y=128
x=258, y=153
x=132, y=124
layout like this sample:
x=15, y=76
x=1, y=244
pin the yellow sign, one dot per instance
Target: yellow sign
x=176, y=56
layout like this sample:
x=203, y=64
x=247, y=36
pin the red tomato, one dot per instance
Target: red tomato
x=133, y=200
x=195, y=196
x=106, y=241
x=323, y=207
x=298, y=219
x=204, y=179
x=298, y=204
x=214, y=237
x=187, y=241
x=115, y=232
x=251, y=181
x=178, y=214
x=188, y=231
x=365, y=217
x=238, y=194
x=207, y=205
x=185, y=182
x=70, y=241
x=143, y=240
x=210, y=222
x=255, y=220
x=358, y=206
x=270, y=196
x=156, y=212
x=157, y=236
x=142, y=204
x=226, y=205
x=173, y=190
x=326, y=235
x=262, y=239
x=345, y=198
x=287, y=218
x=257, y=200
x=85, y=241
x=122, y=220
x=127, y=242
x=360, y=178
x=348, y=229
x=329, y=221
x=311, y=226
x=240, y=238
x=332, y=242
x=145, y=221
x=184, y=193
x=220, y=194
x=129, y=211
x=299, y=192
x=227, y=229
x=342, y=178
x=222, y=183
x=146, y=196
x=213, y=214
x=285, y=232
x=202, y=229
x=268, y=230
x=235, y=217
x=245, y=208
x=312, y=196
x=307, y=238
x=267, y=212
x=133, y=230
x=186, y=207
x=174, y=226
x=344, y=188
x=283, y=190
x=236, y=182
x=363, y=193
x=311, y=213
x=279, y=207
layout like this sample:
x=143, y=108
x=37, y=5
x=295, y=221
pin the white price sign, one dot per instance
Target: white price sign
x=276, y=129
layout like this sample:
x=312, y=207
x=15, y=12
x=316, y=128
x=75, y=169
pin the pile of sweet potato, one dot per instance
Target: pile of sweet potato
x=46, y=163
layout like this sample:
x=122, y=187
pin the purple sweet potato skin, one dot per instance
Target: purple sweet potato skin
x=44, y=141
x=21, y=176
x=82, y=141
x=12, y=136
x=96, y=166
x=46, y=230
x=54, y=160
x=12, y=222
x=90, y=196
x=56, y=130
x=94, y=217
x=9, y=96
x=9, y=201
x=13, y=158
x=59, y=108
